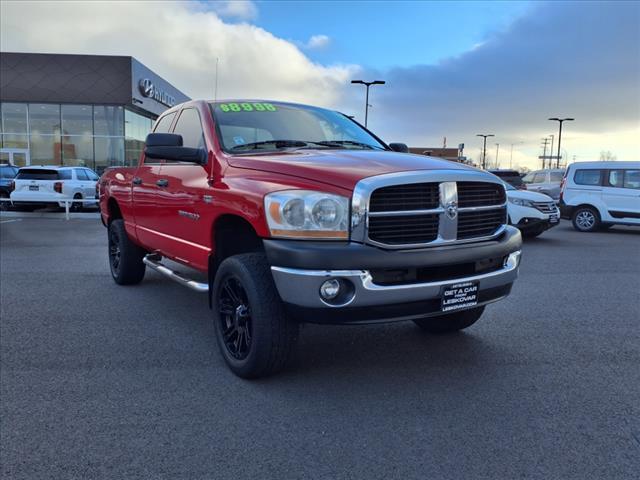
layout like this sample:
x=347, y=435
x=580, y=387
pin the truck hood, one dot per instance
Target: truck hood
x=341, y=168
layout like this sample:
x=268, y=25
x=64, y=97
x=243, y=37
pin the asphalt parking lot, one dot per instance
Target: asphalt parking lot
x=102, y=381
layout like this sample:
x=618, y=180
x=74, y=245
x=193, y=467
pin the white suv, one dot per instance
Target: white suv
x=597, y=195
x=46, y=185
x=532, y=213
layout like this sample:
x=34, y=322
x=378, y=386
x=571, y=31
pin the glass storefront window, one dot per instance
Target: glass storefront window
x=108, y=120
x=136, y=129
x=44, y=119
x=77, y=150
x=14, y=118
x=45, y=149
x=77, y=120
x=109, y=152
x=14, y=141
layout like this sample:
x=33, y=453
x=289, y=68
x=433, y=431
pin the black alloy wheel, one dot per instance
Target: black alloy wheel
x=235, y=317
x=115, y=251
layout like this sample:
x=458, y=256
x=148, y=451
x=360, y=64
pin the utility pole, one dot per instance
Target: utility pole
x=497, y=151
x=484, y=148
x=544, y=155
x=551, y=151
x=366, y=103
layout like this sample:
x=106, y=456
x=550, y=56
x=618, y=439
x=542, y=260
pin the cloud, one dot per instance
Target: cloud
x=238, y=9
x=317, y=42
x=578, y=59
x=180, y=41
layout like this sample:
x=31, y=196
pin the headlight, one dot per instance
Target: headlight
x=521, y=202
x=307, y=214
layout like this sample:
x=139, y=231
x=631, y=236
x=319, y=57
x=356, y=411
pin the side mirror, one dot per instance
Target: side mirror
x=168, y=146
x=399, y=147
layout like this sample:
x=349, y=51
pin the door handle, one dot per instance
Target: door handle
x=163, y=182
x=137, y=181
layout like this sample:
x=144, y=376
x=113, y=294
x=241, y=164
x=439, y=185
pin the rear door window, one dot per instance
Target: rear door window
x=556, y=176
x=37, y=174
x=632, y=179
x=540, y=178
x=81, y=175
x=588, y=177
x=64, y=174
x=616, y=178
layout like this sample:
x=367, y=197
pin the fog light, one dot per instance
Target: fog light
x=513, y=259
x=330, y=289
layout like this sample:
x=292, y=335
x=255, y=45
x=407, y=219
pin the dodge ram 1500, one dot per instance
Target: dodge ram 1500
x=293, y=214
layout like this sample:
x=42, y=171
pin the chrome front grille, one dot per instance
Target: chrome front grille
x=545, y=207
x=481, y=223
x=421, y=209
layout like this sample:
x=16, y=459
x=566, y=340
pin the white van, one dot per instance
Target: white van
x=597, y=195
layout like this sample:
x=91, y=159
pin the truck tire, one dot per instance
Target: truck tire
x=125, y=257
x=450, y=322
x=586, y=219
x=255, y=336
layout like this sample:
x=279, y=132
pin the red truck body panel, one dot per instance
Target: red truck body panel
x=178, y=220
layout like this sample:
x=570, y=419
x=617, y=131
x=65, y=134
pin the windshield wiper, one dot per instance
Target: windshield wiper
x=281, y=144
x=349, y=142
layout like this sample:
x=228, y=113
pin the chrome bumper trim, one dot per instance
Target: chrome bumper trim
x=302, y=287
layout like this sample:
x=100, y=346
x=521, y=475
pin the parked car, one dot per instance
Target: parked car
x=545, y=181
x=598, y=195
x=532, y=213
x=7, y=174
x=512, y=177
x=298, y=214
x=46, y=185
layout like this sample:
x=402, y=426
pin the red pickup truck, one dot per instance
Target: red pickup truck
x=299, y=214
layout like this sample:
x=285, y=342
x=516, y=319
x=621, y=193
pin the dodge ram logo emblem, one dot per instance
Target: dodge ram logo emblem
x=451, y=209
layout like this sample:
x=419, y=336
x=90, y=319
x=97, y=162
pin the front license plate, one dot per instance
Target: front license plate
x=553, y=218
x=34, y=188
x=459, y=295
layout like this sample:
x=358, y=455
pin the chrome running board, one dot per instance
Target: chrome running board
x=152, y=260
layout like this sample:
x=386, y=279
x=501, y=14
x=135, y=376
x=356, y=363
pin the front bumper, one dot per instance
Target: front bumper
x=298, y=275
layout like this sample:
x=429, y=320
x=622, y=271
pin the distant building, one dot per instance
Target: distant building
x=89, y=110
x=453, y=154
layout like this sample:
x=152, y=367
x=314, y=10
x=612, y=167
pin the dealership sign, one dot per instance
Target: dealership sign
x=149, y=90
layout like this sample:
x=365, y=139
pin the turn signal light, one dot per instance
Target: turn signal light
x=57, y=187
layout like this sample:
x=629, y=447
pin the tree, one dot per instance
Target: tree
x=607, y=156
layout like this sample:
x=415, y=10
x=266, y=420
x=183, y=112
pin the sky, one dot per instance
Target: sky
x=453, y=69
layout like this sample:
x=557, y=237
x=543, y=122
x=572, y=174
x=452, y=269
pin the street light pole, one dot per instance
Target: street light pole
x=560, y=120
x=366, y=103
x=484, y=148
x=497, y=151
x=511, y=155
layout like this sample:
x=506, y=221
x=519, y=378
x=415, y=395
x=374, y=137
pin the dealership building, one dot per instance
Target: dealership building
x=88, y=110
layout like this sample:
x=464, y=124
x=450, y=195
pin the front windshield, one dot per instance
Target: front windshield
x=508, y=186
x=250, y=127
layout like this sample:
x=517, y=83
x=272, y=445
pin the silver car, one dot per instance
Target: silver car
x=545, y=181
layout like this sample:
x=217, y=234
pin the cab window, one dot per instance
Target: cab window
x=190, y=128
x=163, y=124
